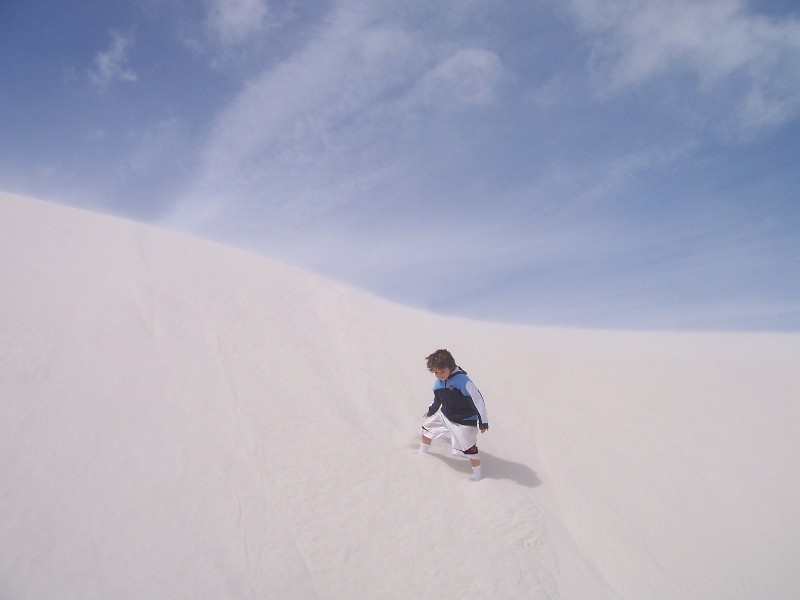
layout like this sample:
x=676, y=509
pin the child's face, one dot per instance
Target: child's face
x=442, y=373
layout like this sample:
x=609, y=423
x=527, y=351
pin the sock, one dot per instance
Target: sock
x=476, y=473
x=424, y=448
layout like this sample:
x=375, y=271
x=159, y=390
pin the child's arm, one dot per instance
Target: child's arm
x=477, y=400
x=433, y=407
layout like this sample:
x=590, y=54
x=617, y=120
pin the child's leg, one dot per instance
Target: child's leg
x=432, y=428
x=424, y=444
x=476, y=470
x=475, y=461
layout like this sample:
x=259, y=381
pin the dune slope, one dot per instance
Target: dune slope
x=185, y=420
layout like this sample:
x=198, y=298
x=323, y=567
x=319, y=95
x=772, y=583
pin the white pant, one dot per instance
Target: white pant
x=462, y=437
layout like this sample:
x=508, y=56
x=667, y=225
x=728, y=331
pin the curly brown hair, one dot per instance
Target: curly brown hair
x=441, y=359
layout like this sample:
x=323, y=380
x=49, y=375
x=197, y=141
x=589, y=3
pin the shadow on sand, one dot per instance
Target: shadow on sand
x=494, y=467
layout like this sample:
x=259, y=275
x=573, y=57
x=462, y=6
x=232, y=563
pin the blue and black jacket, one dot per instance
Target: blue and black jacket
x=460, y=400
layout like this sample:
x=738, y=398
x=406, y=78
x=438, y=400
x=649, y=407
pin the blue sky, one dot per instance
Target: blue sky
x=619, y=163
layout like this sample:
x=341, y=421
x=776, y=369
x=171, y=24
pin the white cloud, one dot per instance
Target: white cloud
x=321, y=126
x=112, y=64
x=301, y=101
x=750, y=59
x=468, y=77
x=236, y=21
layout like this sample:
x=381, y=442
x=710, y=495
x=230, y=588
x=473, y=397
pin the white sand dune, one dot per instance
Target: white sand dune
x=185, y=420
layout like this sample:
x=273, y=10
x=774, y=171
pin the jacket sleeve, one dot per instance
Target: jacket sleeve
x=434, y=406
x=477, y=400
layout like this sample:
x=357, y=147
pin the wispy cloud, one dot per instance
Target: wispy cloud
x=112, y=64
x=468, y=77
x=750, y=61
x=323, y=127
x=236, y=21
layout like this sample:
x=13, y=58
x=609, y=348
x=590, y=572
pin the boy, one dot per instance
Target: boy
x=458, y=410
